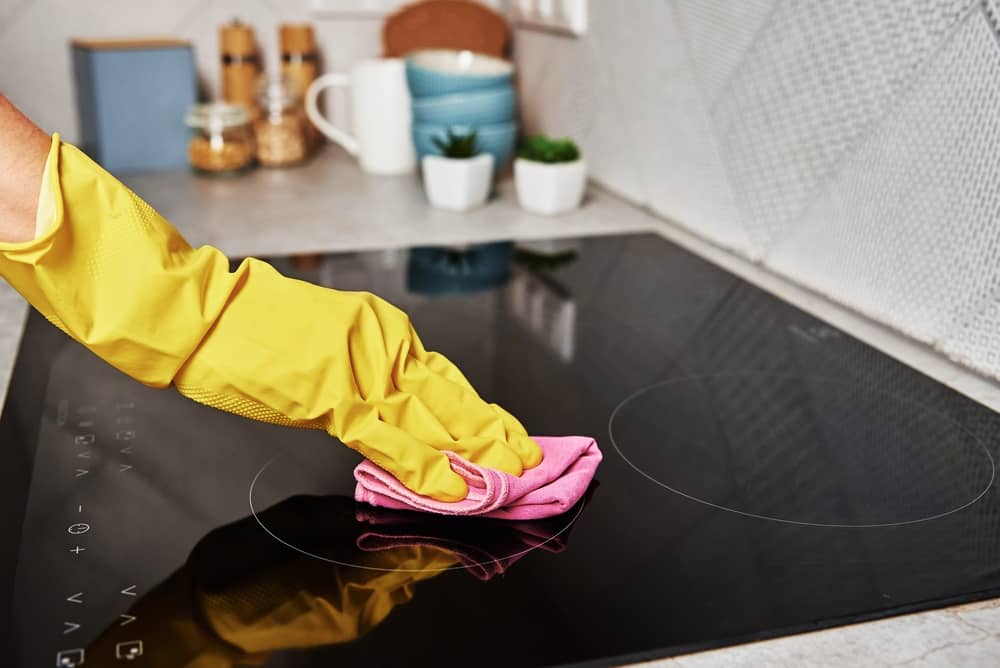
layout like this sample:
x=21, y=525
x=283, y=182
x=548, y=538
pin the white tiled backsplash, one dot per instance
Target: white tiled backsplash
x=852, y=146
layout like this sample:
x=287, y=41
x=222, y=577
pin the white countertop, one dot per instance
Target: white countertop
x=330, y=205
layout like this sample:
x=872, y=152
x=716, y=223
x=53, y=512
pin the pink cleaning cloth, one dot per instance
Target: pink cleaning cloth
x=549, y=489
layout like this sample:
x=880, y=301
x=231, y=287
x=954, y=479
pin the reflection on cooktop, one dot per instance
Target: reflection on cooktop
x=241, y=596
x=135, y=538
x=801, y=450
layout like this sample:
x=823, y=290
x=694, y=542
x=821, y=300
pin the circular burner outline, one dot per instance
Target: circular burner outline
x=671, y=381
x=253, y=511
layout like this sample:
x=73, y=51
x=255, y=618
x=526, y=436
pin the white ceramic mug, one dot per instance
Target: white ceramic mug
x=381, y=115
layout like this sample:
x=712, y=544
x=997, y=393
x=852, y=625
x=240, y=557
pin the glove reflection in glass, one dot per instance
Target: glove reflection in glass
x=243, y=595
x=113, y=274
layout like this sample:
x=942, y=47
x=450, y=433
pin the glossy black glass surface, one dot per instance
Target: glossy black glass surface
x=764, y=474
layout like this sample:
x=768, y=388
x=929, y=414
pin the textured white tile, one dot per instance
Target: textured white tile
x=907, y=233
x=817, y=79
x=972, y=337
x=666, y=119
x=718, y=34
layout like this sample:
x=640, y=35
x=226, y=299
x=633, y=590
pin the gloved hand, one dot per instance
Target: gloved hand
x=115, y=276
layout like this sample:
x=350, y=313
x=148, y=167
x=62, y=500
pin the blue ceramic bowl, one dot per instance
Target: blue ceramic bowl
x=442, y=271
x=442, y=72
x=476, y=108
x=497, y=139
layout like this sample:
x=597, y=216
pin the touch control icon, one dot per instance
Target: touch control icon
x=70, y=658
x=129, y=650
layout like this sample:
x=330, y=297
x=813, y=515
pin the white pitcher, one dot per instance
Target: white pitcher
x=381, y=115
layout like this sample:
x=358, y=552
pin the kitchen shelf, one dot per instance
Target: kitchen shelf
x=329, y=205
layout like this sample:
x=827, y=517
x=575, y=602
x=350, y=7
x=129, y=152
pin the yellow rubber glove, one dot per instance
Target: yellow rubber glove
x=115, y=276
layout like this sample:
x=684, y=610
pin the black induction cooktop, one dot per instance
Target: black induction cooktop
x=764, y=474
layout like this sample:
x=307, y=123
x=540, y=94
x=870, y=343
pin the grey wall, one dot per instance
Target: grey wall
x=35, y=67
x=853, y=146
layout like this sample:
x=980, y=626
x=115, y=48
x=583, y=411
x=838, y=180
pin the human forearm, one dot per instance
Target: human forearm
x=23, y=149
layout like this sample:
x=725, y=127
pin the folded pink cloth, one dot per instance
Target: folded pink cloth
x=551, y=488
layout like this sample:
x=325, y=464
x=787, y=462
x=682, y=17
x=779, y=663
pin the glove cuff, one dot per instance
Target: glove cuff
x=113, y=274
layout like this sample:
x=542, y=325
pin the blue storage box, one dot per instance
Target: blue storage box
x=131, y=97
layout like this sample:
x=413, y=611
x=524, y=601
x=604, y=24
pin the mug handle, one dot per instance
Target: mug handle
x=334, y=80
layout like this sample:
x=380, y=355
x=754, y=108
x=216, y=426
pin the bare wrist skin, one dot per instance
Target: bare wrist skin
x=23, y=150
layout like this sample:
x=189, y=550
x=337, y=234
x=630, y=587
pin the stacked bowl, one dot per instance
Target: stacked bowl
x=462, y=92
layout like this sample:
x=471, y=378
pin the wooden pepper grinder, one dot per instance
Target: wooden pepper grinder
x=240, y=65
x=300, y=63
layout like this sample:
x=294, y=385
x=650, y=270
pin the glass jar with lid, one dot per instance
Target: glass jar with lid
x=280, y=129
x=221, y=140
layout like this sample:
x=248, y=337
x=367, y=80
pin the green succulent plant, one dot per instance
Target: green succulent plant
x=457, y=145
x=542, y=262
x=540, y=148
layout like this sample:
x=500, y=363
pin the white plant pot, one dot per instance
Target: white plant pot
x=457, y=184
x=550, y=189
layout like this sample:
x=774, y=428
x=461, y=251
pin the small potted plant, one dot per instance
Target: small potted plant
x=549, y=174
x=459, y=179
